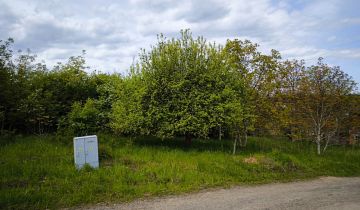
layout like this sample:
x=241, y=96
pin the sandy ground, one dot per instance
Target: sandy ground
x=323, y=193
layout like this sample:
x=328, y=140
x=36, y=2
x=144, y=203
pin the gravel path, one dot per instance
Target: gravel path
x=323, y=193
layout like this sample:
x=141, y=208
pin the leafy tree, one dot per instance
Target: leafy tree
x=321, y=98
x=107, y=87
x=84, y=119
x=182, y=87
x=14, y=83
x=6, y=73
x=176, y=90
x=239, y=57
x=351, y=124
x=289, y=77
x=254, y=86
x=127, y=115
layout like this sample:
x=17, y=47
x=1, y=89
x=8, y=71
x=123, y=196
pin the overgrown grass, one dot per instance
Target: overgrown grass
x=39, y=173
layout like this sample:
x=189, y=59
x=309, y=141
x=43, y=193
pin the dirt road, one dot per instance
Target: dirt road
x=323, y=193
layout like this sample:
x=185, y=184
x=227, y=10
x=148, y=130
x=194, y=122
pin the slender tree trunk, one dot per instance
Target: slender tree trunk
x=328, y=140
x=237, y=140
x=318, y=148
x=245, y=137
x=318, y=143
x=332, y=134
x=318, y=137
x=326, y=145
x=234, y=146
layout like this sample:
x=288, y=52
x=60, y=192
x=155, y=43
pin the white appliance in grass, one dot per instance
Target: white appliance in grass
x=86, y=151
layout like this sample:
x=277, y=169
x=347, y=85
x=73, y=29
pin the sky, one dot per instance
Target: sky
x=113, y=32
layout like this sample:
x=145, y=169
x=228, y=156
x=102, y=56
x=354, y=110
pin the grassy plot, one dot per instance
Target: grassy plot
x=38, y=172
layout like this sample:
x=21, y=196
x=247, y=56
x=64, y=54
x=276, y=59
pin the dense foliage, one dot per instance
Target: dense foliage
x=182, y=87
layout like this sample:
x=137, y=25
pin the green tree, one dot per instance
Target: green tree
x=127, y=115
x=290, y=75
x=107, y=88
x=15, y=75
x=84, y=119
x=254, y=86
x=6, y=73
x=175, y=90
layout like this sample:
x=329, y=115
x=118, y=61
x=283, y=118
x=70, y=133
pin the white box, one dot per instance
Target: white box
x=86, y=151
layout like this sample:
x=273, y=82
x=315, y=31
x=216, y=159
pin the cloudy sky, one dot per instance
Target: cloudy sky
x=112, y=32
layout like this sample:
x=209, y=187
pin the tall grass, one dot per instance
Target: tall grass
x=38, y=172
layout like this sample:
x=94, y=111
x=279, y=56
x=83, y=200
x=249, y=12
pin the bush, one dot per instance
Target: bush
x=83, y=119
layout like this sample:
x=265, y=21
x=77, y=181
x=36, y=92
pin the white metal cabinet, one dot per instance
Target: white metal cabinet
x=79, y=152
x=86, y=151
x=91, y=151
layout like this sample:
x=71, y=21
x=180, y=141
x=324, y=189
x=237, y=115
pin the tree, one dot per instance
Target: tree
x=15, y=75
x=127, y=116
x=351, y=125
x=84, y=119
x=107, y=87
x=239, y=56
x=254, y=86
x=6, y=73
x=322, y=95
x=177, y=90
x=289, y=77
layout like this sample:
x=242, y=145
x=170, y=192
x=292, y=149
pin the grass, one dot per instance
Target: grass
x=39, y=173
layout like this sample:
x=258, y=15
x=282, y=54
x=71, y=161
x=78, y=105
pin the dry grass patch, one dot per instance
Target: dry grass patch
x=251, y=160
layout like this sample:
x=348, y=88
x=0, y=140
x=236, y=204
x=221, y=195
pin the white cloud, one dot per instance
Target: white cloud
x=112, y=32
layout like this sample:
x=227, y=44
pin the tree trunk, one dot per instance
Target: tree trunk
x=327, y=141
x=318, y=148
x=326, y=145
x=237, y=139
x=318, y=143
x=234, y=146
x=318, y=139
x=245, y=138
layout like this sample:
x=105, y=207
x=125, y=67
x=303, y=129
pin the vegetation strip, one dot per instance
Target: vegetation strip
x=38, y=172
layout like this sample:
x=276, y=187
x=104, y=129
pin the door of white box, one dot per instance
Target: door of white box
x=91, y=151
x=79, y=152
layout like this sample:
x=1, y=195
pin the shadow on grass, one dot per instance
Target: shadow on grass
x=180, y=144
x=254, y=145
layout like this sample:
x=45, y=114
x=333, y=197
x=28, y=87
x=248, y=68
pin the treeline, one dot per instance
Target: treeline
x=182, y=87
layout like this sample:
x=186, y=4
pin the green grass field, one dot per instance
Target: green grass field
x=38, y=172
